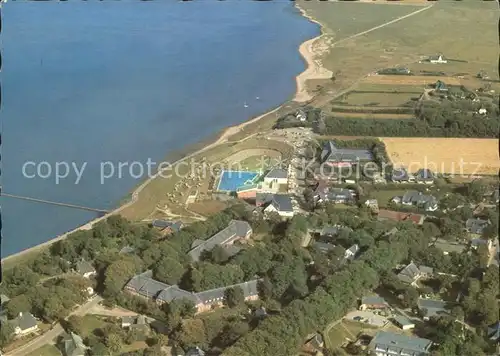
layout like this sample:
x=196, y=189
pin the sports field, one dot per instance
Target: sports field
x=230, y=181
x=468, y=156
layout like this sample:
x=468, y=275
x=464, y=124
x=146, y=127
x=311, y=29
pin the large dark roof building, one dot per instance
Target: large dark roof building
x=333, y=154
x=237, y=229
x=143, y=284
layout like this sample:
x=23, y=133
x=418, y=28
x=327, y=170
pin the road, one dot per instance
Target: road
x=46, y=338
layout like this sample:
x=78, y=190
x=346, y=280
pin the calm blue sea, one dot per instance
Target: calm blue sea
x=127, y=81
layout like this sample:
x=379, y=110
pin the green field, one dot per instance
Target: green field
x=47, y=350
x=385, y=196
x=417, y=89
x=407, y=41
x=381, y=99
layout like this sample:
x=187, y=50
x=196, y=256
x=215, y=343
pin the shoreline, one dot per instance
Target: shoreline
x=313, y=70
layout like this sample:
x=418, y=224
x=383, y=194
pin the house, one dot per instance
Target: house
x=373, y=302
x=3, y=299
x=351, y=252
x=126, y=250
x=281, y=204
x=494, y=332
x=260, y=313
x=418, y=199
x=236, y=230
x=195, y=351
x=25, y=323
x=411, y=273
x=85, y=269
x=73, y=345
x=403, y=322
x=401, y=175
x=137, y=322
x=438, y=59
x=475, y=227
x=431, y=307
x=378, y=178
x=323, y=193
x=315, y=343
x=400, y=216
x=301, y=115
x=144, y=285
x=475, y=243
x=167, y=227
x=386, y=343
x=447, y=246
x=344, y=157
x=323, y=247
x=424, y=176
x=440, y=86
x=275, y=178
x=372, y=204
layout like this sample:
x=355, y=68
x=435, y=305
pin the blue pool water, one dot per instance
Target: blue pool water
x=230, y=181
x=124, y=81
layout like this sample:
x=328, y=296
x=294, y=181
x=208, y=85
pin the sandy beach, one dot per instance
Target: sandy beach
x=310, y=51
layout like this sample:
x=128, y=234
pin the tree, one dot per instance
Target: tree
x=410, y=297
x=192, y=333
x=18, y=304
x=234, y=296
x=219, y=254
x=6, y=333
x=119, y=272
x=265, y=288
x=458, y=312
x=168, y=270
x=100, y=349
x=75, y=324
x=114, y=342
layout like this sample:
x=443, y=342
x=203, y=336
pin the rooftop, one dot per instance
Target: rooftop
x=333, y=153
x=24, y=321
x=235, y=229
x=277, y=173
x=398, y=344
x=374, y=299
x=282, y=202
x=84, y=267
x=73, y=345
x=476, y=226
x=402, y=320
x=432, y=307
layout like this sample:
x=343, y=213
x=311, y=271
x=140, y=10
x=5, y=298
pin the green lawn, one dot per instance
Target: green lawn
x=385, y=196
x=47, y=350
x=90, y=323
x=380, y=99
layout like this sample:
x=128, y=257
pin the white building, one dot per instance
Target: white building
x=438, y=59
x=24, y=324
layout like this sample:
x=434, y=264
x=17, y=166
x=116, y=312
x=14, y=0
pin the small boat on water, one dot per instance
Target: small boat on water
x=245, y=105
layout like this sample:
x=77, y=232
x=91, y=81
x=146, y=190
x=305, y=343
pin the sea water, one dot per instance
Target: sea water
x=86, y=82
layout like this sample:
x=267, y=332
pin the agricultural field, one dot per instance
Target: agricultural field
x=402, y=80
x=404, y=43
x=361, y=115
x=380, y=99
x=468, y=156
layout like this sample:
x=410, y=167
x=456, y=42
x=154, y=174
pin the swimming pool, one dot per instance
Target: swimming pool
x=230, y=181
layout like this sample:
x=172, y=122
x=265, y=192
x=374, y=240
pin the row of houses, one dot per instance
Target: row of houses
x=422, y=176
x=417, y=199
x=144, y=285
